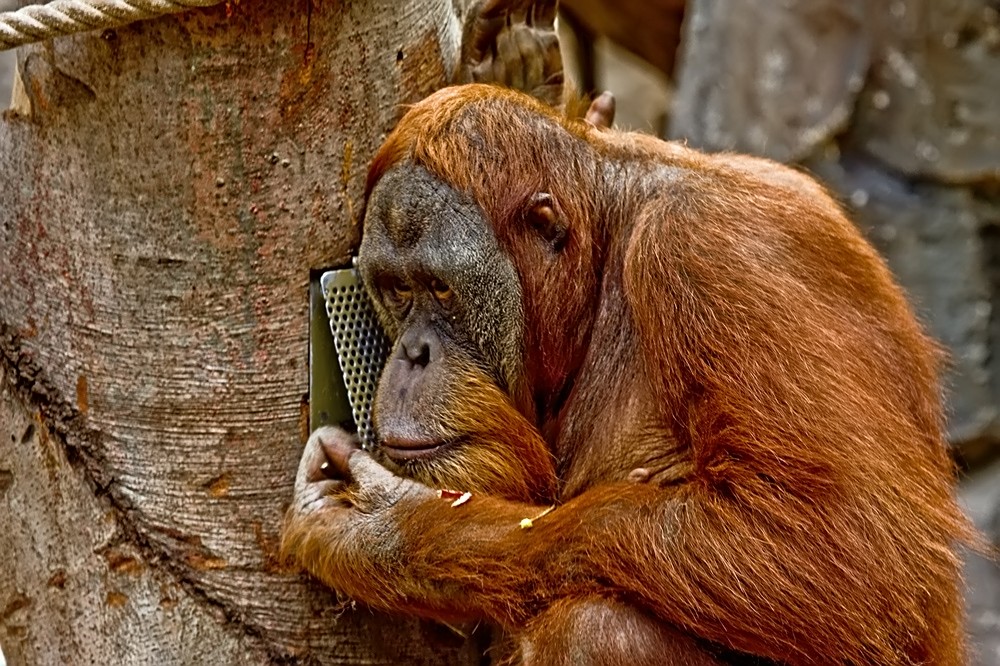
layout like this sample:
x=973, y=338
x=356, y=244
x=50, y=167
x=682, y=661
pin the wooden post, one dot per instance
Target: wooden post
x=166, y=190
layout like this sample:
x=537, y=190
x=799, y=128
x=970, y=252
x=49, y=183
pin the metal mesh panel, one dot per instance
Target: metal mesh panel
x=362, y=346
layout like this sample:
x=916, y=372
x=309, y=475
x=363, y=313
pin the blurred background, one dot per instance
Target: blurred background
x=895, y=105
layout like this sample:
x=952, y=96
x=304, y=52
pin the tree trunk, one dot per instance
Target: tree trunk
x=167, y=189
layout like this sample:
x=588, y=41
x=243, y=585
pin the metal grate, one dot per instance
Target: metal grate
x=362, y=346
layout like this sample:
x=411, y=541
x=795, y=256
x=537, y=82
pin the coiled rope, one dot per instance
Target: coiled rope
x=36, y=23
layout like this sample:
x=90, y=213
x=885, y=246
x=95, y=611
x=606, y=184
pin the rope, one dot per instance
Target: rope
x=36, y=23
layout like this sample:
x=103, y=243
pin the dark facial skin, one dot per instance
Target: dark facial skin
x=449, y=298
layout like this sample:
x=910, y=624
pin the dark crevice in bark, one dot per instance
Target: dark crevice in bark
x=83, y=452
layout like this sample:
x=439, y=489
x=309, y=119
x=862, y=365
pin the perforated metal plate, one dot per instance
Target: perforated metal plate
x=362, y=346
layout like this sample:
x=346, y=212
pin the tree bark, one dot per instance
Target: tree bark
x=167, y=189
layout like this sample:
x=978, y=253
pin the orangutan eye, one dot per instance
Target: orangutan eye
x=442, y=292
x=400, y=290
x=397, y=295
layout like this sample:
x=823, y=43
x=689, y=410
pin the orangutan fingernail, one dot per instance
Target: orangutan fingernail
x=462, y=500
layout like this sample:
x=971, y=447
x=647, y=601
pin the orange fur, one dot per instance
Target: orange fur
x=716, y=320
x=501, y=453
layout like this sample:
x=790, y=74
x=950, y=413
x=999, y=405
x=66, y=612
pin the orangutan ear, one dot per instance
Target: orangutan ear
x=546, y=220
x=601, y=112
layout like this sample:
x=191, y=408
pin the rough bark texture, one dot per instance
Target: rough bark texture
x=166, y=190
